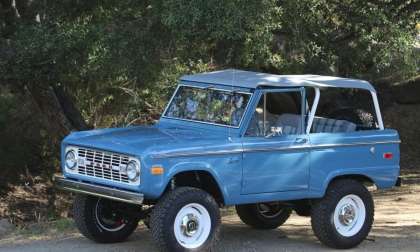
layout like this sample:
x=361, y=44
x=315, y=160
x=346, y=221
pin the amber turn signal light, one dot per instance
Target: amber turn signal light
x=157, y=170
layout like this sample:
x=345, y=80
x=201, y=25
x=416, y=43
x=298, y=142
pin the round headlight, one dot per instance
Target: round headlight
x=71, y=159
x=133, y=171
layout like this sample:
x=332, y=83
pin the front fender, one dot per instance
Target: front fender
x=185, y=166
x=189, y=166
x=197, y=166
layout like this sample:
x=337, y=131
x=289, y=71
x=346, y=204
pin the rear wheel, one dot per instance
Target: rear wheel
x=268, y=215
x=344, y=217
x=104, y=220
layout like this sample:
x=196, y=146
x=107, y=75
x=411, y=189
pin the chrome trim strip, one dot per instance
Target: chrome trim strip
x=98, y=191
x=203, y=122
x=292, y=147
x=319, y=146
x=283, y=148
x=197, y=153
x=354, y=144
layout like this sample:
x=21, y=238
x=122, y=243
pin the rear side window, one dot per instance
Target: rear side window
x=343, y=110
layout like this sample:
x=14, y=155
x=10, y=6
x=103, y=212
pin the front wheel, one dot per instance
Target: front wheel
x=103, y=220
x=344, y=217
x=267, y=215
x=185, y=219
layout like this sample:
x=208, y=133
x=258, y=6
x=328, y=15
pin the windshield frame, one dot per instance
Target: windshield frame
x=212, y=87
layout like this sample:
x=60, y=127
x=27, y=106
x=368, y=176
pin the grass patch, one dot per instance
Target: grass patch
x=46, y=229
x=64, y=224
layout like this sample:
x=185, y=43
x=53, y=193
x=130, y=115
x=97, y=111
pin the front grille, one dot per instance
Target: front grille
x=101, y=164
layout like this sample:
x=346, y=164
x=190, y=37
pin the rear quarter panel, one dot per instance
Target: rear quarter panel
x=356, y=153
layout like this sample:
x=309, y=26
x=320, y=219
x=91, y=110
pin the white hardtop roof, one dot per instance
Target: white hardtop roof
x=247, y=79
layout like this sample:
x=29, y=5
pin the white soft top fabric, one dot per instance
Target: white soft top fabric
x=247, y=79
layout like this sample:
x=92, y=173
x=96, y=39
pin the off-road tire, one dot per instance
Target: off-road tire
x=146, y=222
x=303, y=211
x=250, y=215
x=164, y=213
x=84, y=215
x=323, y=211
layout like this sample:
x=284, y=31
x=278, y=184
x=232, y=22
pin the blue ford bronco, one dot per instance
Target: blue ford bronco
x=266, y=144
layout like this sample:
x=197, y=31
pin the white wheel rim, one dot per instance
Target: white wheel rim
x=349, y=215
x=192, y=226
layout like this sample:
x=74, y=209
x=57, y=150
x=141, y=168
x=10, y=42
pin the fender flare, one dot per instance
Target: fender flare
x=196, y=166
x=348, y=173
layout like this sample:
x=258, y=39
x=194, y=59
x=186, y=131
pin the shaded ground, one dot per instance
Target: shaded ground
x=397, y=226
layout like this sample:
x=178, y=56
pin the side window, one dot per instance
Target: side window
x=343, y=110
x=277, y=113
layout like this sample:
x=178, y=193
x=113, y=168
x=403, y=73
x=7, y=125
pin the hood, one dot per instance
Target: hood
x=136, y=140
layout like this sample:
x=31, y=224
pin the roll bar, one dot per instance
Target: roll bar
x=312, y=111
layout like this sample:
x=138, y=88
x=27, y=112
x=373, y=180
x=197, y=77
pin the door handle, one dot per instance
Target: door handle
x=301, y=140
x=233, y=160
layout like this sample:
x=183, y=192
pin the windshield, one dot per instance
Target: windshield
x=208, y=105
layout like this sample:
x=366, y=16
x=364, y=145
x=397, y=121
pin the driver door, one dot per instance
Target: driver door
x=275, y=157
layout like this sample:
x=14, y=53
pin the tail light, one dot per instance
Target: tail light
x=388, y=155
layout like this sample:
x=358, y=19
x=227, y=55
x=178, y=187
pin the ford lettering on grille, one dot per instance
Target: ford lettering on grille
x=102, y=164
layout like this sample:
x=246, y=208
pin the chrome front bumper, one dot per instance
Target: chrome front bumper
x=98, y=191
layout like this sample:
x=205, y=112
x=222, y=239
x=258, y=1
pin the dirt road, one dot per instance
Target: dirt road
x=397, y=227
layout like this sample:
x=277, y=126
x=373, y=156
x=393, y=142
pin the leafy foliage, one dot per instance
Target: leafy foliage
x=119, y=60
x=350, y=38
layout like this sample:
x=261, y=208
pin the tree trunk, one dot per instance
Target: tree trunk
x=71, y=112
x=58, y=109
x=61, y=117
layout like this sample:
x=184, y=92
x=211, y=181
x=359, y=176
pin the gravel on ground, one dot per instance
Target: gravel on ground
x=396, y=227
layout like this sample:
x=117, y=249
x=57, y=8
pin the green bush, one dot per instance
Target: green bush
x=120, y=60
